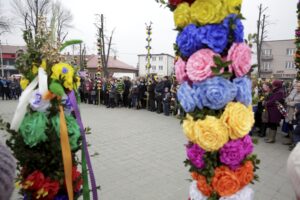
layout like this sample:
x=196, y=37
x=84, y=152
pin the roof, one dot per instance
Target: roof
x=11, y=49
x=113, y=63
x=284, y=40
x=157, y=54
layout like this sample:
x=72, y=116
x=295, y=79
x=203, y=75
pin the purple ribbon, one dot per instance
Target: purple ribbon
x=84, y=143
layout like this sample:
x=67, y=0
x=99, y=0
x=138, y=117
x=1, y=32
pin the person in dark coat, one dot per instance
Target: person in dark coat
x=274, y=115
x=142, y=91
x=112, y=94
x=296, y=131
x=151, y=97
x=159, y=90
x=166, y=101
x=127, y=85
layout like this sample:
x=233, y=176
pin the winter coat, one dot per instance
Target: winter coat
x=159, y=88
x=291, y=101
x=271, y=104
x=150, y=90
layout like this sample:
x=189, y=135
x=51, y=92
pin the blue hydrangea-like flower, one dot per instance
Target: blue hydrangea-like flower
x=216, y=92
x=238, y=31
x=216, y=37
x=244, y=93
x=189, y=40
x=185, y=96
x=197, y=97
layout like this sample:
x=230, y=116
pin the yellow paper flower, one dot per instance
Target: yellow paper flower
x=239, y=119
x=34, y=70
x=44, y=64
x=211, y=133
x=24, y=82
x=77, y=83
x=208, y=11
x=188, y=128
x=232, y=6
x=65, y=72
x=182, y=16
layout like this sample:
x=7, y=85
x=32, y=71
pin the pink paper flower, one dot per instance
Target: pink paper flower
x=180, y=71
x=199, y=65
x=240, y=55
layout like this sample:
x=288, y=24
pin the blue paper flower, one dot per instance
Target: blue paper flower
x=216, y=92
x=185, y=96
x=244, y=86
x=238, y=28
x=189, y=40
x=216, y=37
x=197, y=97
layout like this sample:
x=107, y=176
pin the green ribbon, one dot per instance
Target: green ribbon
x=86, y=190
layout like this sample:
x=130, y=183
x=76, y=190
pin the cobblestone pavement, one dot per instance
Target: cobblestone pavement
x=141, y=156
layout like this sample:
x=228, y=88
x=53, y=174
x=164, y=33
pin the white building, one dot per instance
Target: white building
x=161, y=64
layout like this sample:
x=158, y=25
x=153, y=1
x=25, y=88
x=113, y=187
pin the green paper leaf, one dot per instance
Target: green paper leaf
x=57, y=89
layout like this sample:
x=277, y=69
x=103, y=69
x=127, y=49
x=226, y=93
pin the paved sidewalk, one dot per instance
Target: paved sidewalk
x=141, y=156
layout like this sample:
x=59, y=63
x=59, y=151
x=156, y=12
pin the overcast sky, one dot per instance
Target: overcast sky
x=129, y=17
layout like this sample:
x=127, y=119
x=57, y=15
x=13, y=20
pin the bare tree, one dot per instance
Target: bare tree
x=4, y=22
x=62, y=19
x=261, y=34
x=30, y=11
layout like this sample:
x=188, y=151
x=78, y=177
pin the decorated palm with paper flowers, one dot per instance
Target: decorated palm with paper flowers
x=215, y=92
x=46, y=130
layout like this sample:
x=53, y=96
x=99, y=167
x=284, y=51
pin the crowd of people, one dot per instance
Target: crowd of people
x=279, y=104
x=10, y=88
x=155, y=94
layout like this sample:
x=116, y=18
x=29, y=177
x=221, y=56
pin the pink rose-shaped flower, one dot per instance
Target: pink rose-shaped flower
x=240, y=55
x=199, y=65
x=180, y=71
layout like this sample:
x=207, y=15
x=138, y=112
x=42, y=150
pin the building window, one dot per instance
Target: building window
x=290, y=51
x=266, y=66
x=153, y=58
x=290, y=65
x=267, y=52
x=153, y=67
x=161, y=67
x=160, y=58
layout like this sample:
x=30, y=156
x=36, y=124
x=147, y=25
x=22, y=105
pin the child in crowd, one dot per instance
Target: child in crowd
x=94, y=94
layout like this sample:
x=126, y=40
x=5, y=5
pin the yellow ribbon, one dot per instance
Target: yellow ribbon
x=66, y=152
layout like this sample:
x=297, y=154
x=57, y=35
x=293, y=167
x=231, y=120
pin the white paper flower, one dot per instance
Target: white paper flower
x=246, y=193
x=37, y=103
x=195, y=194
x=67, y=104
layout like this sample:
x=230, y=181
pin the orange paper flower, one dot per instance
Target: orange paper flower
x=225, y=182
x=245, y=173
x=202, y=185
